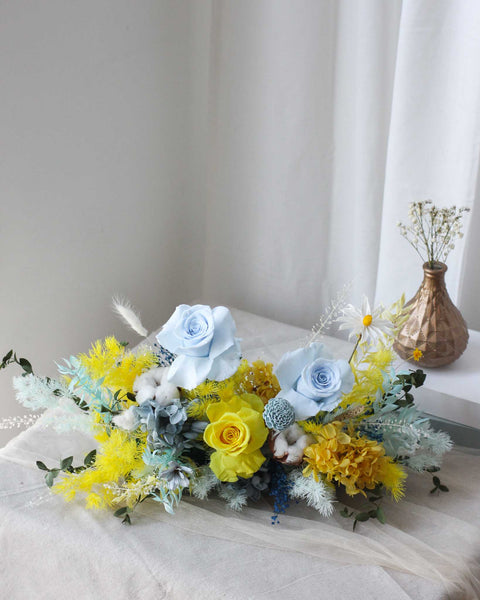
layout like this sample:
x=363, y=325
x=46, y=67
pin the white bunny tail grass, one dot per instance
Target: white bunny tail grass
x=127, y=313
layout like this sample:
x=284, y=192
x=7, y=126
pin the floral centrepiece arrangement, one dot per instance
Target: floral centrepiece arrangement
x=188, y=415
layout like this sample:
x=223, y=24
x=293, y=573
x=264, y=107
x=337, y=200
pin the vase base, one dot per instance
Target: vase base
x=431, y=356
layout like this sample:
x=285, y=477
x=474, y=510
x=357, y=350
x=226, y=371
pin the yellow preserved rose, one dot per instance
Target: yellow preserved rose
x=236, y=432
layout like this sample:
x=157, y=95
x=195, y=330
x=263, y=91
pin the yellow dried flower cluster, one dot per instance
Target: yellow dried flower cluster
x=352, y=460
x=120, y=368
x=119, y=454
x=397, y=313
x=205, y=394
x=256, y=378
x=369, y=376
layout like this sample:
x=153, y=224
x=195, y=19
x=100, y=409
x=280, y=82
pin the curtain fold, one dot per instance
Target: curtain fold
x=433, y=149
x=325, y=119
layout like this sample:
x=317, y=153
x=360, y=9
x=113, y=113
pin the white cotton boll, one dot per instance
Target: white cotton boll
x=295, y=455
x=280, y=446
x=127, y=419
x=289, y=445
x=154, y=385
x=159, y=374
x=145, y=393
x=295, y=452
x=142, y=380
x=166, y=392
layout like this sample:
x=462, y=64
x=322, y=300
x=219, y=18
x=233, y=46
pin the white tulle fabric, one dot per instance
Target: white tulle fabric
x=429, y=548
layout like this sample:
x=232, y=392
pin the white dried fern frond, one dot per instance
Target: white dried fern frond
x=129, y=315
x=330, y=314
x=236, y=499
x=204, y=483
x=317, y=494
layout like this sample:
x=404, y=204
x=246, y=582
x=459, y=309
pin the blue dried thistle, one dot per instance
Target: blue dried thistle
x=279, y=490
x=164, y=356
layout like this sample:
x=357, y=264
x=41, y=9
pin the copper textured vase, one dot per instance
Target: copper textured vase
x=434, y=325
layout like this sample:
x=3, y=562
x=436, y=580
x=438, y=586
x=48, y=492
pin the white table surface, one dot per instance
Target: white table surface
x=453, y=392
x=51, y=549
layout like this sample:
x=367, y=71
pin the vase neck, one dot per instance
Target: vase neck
x=434, y=277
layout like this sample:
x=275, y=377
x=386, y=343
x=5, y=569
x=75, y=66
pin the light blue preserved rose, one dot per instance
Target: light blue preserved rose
x=203, y=340
x=312, y=381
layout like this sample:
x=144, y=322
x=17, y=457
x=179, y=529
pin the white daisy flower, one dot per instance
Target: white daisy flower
x=365, y=323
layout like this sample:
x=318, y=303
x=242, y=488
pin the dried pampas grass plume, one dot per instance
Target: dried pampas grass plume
x=129, y=315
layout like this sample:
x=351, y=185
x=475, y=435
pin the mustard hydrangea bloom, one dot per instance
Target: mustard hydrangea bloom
x=236, y=432
x=355, y=461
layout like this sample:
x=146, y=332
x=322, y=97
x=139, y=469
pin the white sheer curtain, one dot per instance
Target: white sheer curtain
x=325, y=119
x=254, y=152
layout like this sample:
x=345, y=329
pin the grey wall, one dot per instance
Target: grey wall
x=97, y=171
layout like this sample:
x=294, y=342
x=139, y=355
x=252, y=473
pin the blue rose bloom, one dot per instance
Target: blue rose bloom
x=204, y=342
x=312, y=381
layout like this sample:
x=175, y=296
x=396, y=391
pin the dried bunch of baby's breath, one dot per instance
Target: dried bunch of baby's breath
x=432, y=231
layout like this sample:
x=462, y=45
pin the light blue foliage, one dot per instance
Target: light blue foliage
x=173, y=474
x=157, y=458
x=39, y=392
x=405, y=431
x=169, y=498
x=81, y=383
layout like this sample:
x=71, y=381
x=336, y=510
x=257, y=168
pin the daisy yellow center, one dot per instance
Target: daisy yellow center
x=367, y=320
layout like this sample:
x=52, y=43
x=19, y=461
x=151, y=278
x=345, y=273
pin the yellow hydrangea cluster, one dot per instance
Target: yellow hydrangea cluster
x=355, y=461
x=109, y=359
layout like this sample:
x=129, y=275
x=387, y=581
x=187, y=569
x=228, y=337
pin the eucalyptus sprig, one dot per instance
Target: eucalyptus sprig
x=432, y=230
x=408, y=380
x=66, y=467
x=11, y=358
x=438, y=485
x=373, y=510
